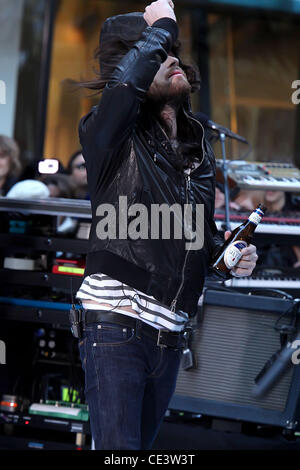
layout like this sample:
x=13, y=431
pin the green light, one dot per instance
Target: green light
x=66, y=395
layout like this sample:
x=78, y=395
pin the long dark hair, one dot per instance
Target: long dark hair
x=71, y=160
x=111, y=55
x=113, y=52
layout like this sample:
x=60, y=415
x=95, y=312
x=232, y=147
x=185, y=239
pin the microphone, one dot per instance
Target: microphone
x=205, y=121
x=274, y=368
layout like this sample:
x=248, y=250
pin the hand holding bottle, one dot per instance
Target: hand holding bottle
x=237, y=256
x=247, y=262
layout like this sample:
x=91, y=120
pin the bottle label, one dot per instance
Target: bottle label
x=233, y=253
x=256, y=216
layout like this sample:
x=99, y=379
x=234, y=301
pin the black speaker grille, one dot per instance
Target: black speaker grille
x=231, y=347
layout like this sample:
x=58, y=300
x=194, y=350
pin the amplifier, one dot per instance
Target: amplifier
x=235, y=337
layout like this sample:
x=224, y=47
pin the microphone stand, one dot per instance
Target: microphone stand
x=222, y=132
x=222, y=137
x=279, y=362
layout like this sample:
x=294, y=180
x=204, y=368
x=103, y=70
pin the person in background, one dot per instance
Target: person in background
x=275, y=255
x=28, y=189
x=280, y=201
x=59, y=185
x=246, y=200
x=77, y=170
x=10, y=165
x=220, y=198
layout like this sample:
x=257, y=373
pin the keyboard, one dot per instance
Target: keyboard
x=266, y=176
x=288, y=224
x=269, y=278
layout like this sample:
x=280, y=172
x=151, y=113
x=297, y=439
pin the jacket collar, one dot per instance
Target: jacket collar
x=156, y=135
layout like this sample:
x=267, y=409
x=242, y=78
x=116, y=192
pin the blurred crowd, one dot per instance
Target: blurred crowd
x=69, y=182
x=276, y=202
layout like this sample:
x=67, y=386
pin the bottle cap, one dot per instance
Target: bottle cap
x=262, y=207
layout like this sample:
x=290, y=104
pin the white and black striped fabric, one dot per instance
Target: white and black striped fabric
x=103, y=289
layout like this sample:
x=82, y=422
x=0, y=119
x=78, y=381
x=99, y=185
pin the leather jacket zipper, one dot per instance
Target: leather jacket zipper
x=202, y=140
x=187, y=189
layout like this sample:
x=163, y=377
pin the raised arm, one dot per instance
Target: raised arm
x=112, y=121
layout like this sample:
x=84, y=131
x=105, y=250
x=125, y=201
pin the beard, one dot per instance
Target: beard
x=176, y=95
x=173, y=94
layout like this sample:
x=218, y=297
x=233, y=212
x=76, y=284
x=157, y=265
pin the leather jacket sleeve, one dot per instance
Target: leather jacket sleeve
x=217, y=238
x=111, y=122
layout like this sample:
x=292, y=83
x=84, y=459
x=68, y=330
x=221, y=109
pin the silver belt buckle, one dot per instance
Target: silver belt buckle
x=159, y=338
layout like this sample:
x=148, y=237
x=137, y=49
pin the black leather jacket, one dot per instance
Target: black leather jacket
x=128, y=154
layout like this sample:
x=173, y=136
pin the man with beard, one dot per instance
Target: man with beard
x=142, y=143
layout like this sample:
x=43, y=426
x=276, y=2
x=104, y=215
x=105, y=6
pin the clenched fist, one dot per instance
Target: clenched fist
x=159, y=9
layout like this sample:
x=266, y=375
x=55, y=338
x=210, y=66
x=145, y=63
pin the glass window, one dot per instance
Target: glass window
x=21, y=49
x=76, y=36
x=10, y=35
x=247, y=63
x=253, y=62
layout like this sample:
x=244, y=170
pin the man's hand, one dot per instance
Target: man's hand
x=159, y=9
x=247, y=262
x=296, y=250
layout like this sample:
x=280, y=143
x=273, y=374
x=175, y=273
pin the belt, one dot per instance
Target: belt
x=163, y=337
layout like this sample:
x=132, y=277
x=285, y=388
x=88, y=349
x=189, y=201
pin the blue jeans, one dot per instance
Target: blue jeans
x=128, y=385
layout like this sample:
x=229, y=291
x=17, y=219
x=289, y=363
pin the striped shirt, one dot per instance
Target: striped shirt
x=103, y=289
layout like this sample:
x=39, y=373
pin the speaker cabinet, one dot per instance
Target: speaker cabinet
x=235, y=337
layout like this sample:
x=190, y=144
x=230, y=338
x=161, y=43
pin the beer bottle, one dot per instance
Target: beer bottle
x=229, y=254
